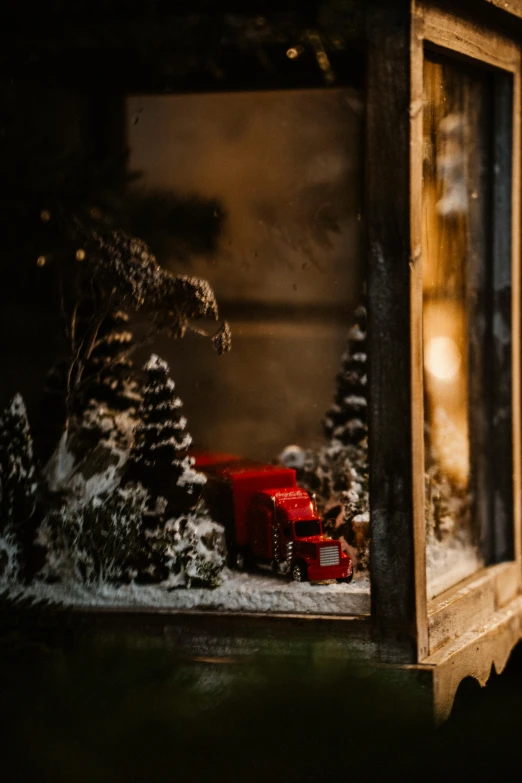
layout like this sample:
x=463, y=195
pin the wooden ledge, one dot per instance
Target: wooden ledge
x=471, y=603
x=473, y=654
x=239, y=634
x=217, y=635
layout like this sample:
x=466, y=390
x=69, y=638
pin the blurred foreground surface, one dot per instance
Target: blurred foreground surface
x=107, y=708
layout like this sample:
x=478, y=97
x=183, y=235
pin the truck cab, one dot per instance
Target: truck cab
x=286, y=532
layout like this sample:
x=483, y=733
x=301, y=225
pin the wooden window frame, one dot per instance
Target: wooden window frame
x=493, y=586
x=410, y=628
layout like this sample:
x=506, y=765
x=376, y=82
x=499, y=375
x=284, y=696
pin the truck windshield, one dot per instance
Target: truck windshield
x=308, y=527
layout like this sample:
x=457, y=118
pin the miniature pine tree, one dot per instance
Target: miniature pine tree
x=97, y=541
x=198, y=550
x=18, y=488
x=346, y=420
x=17, y=468
x=109, y=388
x=159, y=458
x=109, y=371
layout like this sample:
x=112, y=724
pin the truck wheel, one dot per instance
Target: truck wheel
x=345, y=579
x=299, y=572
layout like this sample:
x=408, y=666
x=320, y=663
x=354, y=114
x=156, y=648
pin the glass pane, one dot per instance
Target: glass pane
x=456, y=205
x=260, y=194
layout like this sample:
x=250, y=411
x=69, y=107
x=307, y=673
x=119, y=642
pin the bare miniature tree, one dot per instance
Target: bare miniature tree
x=105, y=270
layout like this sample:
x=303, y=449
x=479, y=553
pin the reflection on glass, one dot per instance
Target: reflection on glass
x=455, y=195
x=259, y=193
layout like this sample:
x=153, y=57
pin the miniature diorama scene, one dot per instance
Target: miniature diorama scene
x=460, y=336
x=200, y=436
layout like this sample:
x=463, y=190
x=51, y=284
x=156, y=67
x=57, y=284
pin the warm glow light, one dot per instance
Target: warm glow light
x=45, y=215
x=80, y=255
x=292, y=53
x=442, y=358
x=41, y=260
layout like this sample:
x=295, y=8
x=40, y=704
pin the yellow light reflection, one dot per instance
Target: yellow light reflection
x=446, y=386
x=443, y=358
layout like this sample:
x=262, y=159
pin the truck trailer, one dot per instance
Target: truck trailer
x=269, y=521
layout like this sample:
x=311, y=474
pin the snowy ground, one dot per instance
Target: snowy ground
x=238, y=593
x=447, y=564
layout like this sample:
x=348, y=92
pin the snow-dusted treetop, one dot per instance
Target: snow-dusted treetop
x=14, y=419
x=17, y=406
x=161, y=441
x=346, y=419
x=156, y=364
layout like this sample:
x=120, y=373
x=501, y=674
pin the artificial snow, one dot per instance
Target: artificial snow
x=292, y=456
x=191, y=477
x=239, y=592
x=65, y=471
x=448, y=563
x=156, y=363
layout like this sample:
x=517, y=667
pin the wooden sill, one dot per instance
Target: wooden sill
x=471, y=603
x=476, y=653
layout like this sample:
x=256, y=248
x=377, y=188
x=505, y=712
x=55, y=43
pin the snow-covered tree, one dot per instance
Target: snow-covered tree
x=98, y=541
x=346, y=420
x=110, y=377
x=197, y=548
x=17, y=467
x=154, y=517
x=338, y=471
x=18, y=486
x=160, y=461
x=159, y=457
x=106, y=406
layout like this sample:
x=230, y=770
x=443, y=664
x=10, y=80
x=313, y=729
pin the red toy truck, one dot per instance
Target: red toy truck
x=269, y=521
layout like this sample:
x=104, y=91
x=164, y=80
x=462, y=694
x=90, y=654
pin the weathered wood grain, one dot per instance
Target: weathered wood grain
x=398, y=599
x=499, y=360
x=460, y=34
x=416, y=316
x=219, y=634
x=516, y=315
x=471, y=603
x=474, y=654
